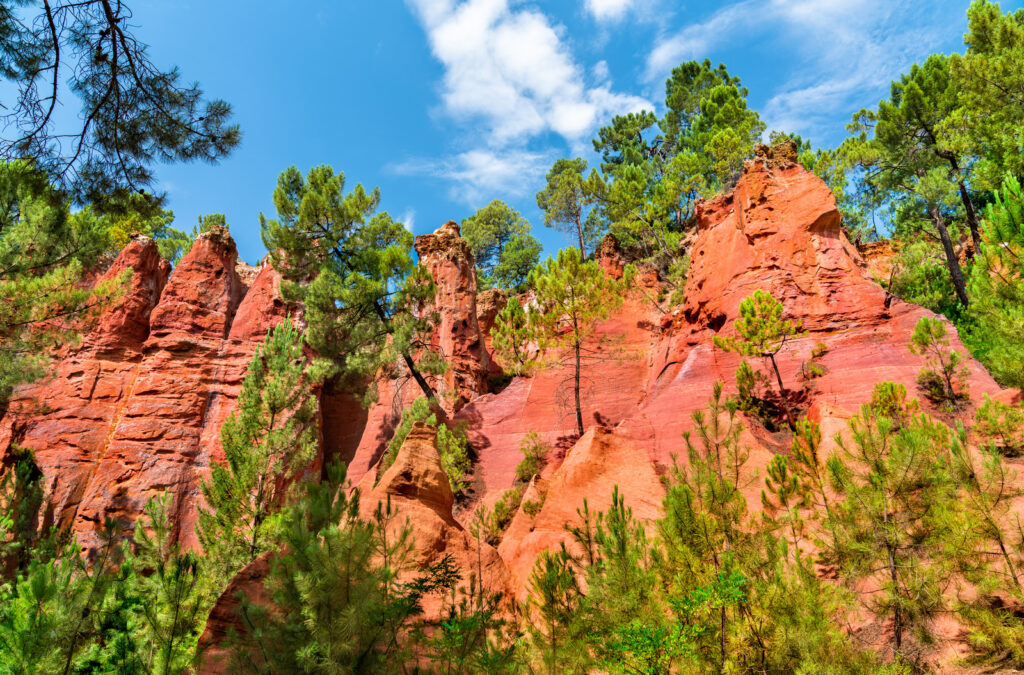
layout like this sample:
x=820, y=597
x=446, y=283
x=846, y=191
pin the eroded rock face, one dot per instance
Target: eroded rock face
x=450, y=261
x=599, y=462
x=419, y=490
x=138, y=409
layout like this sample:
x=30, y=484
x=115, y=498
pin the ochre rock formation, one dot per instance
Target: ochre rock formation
x=420, y=493
x=450, y=261
x=138, y=409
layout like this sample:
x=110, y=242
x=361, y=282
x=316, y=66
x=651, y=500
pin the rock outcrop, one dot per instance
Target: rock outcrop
x=600, y=462
x=450, y=261
x=138, y=409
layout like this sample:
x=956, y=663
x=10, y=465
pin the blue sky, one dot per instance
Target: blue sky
x=447, y=104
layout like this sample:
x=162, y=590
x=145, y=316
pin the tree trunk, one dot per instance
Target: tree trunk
x=955, y=273
x=972, y=218
x=722, y=639
x=410, y=364
x=579, y=233
x=579, y=407
x=897, y=619
x=782, y=394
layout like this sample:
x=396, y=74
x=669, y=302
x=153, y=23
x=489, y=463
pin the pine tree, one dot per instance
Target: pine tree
x=557, y=634
x=571, y=297
x=763, y=333
x=985, y=78
x=133, y=114
x=511, y=336
x=45, y=254
x=268, y=442
x=944, y=377
x=997, y=286
x=503, y=248
x=166, y=594
x=567, y=201
x=908, y=155
x=340, y=603
x=896, y=511
x=354, y=272
x=50, y=615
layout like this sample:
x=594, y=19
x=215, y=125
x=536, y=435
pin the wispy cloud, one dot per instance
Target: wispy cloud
x=476, y=176
x=510, y=69
x=409, y=219
x=844, y=50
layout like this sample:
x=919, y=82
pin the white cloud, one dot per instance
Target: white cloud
x=842, y=50
x=509, y=80
x=477, y=176
x=609, y=10
x=509, y=69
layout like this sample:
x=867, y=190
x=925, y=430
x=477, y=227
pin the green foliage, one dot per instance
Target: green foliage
x=339, y=604
x=532, y=507
x=21, y=497
x=567, y=200
x=535, y=452
x=908, y=163
x=471, y=637
x=889, y=400
x=268, y=443
x=762, y=332
x=511, y=336
x=571, y=296
x=132, y=115
x=452, y=444
x=920, y=275
x=166, y=595
x=502, y=246
x=1001, y=426
x=943, y=380
x=45, y=254
x=51, y=613
x=354, y=272
x=492, y=522
x=997, y=285
x=985, y=77
x=896, y=512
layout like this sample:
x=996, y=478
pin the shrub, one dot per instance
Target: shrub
x=498, y=517
x=810, y=370
x=533, y=506
x=534, y=452
x=943, y=380
x=819, y=350
x=1001, y=426
x=889, y=400
x=752, y=386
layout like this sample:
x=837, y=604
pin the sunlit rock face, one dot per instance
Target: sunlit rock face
x=137, y=410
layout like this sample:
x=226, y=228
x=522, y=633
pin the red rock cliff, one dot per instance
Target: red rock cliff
x=137, y=410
